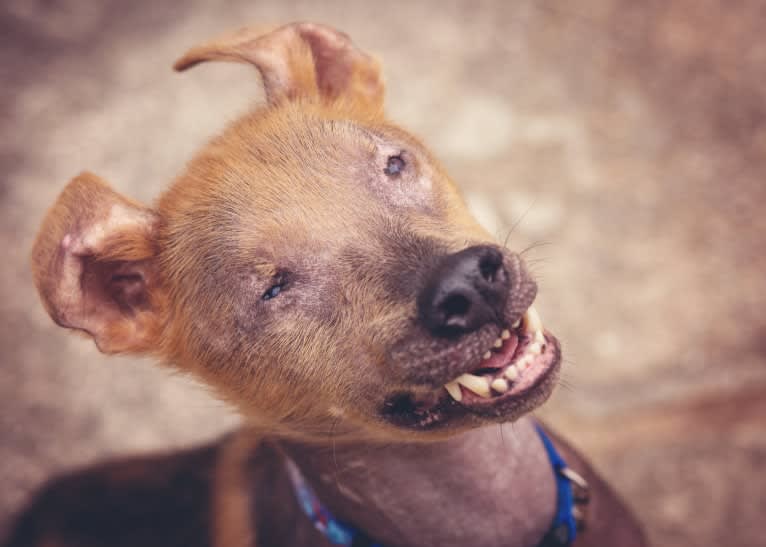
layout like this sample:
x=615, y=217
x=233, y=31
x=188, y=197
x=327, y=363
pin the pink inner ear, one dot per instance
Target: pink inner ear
x=333, y=63
x=116, y=287
x=129, y=291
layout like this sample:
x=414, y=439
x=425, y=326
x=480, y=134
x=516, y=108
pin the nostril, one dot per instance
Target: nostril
x=489, y=265
x=455, y=308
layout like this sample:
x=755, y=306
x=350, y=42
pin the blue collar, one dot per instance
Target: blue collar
x=571, y=488
x=571, y=494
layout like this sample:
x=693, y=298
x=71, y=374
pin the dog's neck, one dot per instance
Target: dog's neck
x=492, y=486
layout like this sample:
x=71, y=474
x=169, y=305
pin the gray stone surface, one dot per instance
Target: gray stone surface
x=625, y=141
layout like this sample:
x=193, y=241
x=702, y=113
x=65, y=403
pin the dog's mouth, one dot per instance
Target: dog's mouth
x=516, y=373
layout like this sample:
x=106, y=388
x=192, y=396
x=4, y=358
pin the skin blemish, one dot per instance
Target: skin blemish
x=394, y=166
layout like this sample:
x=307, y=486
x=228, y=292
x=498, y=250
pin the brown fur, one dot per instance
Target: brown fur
x=293, y=194
x=161, y=501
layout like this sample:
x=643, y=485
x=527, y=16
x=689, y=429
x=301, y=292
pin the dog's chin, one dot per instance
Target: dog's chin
x=515, y=376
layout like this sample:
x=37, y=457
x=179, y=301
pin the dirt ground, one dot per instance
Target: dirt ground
x=625, y=141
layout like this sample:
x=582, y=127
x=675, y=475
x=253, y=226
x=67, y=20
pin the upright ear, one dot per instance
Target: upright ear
x=94, y=265
x=299, y=60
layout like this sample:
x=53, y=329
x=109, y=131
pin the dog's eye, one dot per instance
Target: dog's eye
x=273, y=291
x=394, y=166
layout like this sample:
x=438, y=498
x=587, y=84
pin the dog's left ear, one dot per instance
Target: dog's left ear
x=299, y=60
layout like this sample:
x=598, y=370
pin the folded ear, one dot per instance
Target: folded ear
x=299, y=60
x=94, y=265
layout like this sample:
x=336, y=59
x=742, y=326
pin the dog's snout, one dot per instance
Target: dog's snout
x=465, y=291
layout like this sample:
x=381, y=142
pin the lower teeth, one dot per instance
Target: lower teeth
x=500, y=385
x=481, y=386
x=511, y=372
x=453, y=388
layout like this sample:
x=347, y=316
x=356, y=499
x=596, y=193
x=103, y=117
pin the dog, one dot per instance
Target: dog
x=317, y=268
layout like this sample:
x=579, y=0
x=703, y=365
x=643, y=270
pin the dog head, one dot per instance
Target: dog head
x=314, y=264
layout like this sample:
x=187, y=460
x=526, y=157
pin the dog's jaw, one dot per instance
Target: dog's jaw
x=517, y=372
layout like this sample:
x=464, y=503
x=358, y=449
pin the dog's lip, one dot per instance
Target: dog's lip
x=530, y=385
x=505, y=367
x=537, y=372
x=439, y=409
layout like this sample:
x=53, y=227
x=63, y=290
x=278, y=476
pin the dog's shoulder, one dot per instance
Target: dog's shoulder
x=156, y=500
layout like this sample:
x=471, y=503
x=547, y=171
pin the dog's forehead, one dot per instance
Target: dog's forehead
x=301, y=175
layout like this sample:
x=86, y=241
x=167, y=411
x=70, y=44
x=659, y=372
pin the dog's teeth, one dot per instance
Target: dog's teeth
x=454, y=390
x=540, y=337
x=505, y=335
x=522, y=363
x=498, y=343
x=532, y=322
x=500, y=385
x=535, y=348
x=517, y=324
x=511, y=373
x=475, y=384
x=487, y=355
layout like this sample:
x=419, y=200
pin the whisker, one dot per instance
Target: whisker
x=566, y=385
x=536, y=245
x=516, y=224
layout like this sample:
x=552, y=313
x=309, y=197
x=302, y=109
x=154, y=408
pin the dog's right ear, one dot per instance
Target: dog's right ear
x=299, y=60
x=94, y=265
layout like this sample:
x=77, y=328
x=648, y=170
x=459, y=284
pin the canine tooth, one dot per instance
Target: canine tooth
x=511, y=373
x=522, y=363
x=487, y=355
x=517, y=324
x=498, y=343
x=474, y=383
x=500, y=385
x=506, y=334
x=532, y=322
x=454, y=390
x=540, y=337
x=534, y=348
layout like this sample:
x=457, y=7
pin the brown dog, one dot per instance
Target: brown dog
x=316, y=266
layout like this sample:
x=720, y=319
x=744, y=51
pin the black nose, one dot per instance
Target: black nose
x=467, y=290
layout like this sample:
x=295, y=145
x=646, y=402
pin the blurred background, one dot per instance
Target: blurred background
x=625, y=141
